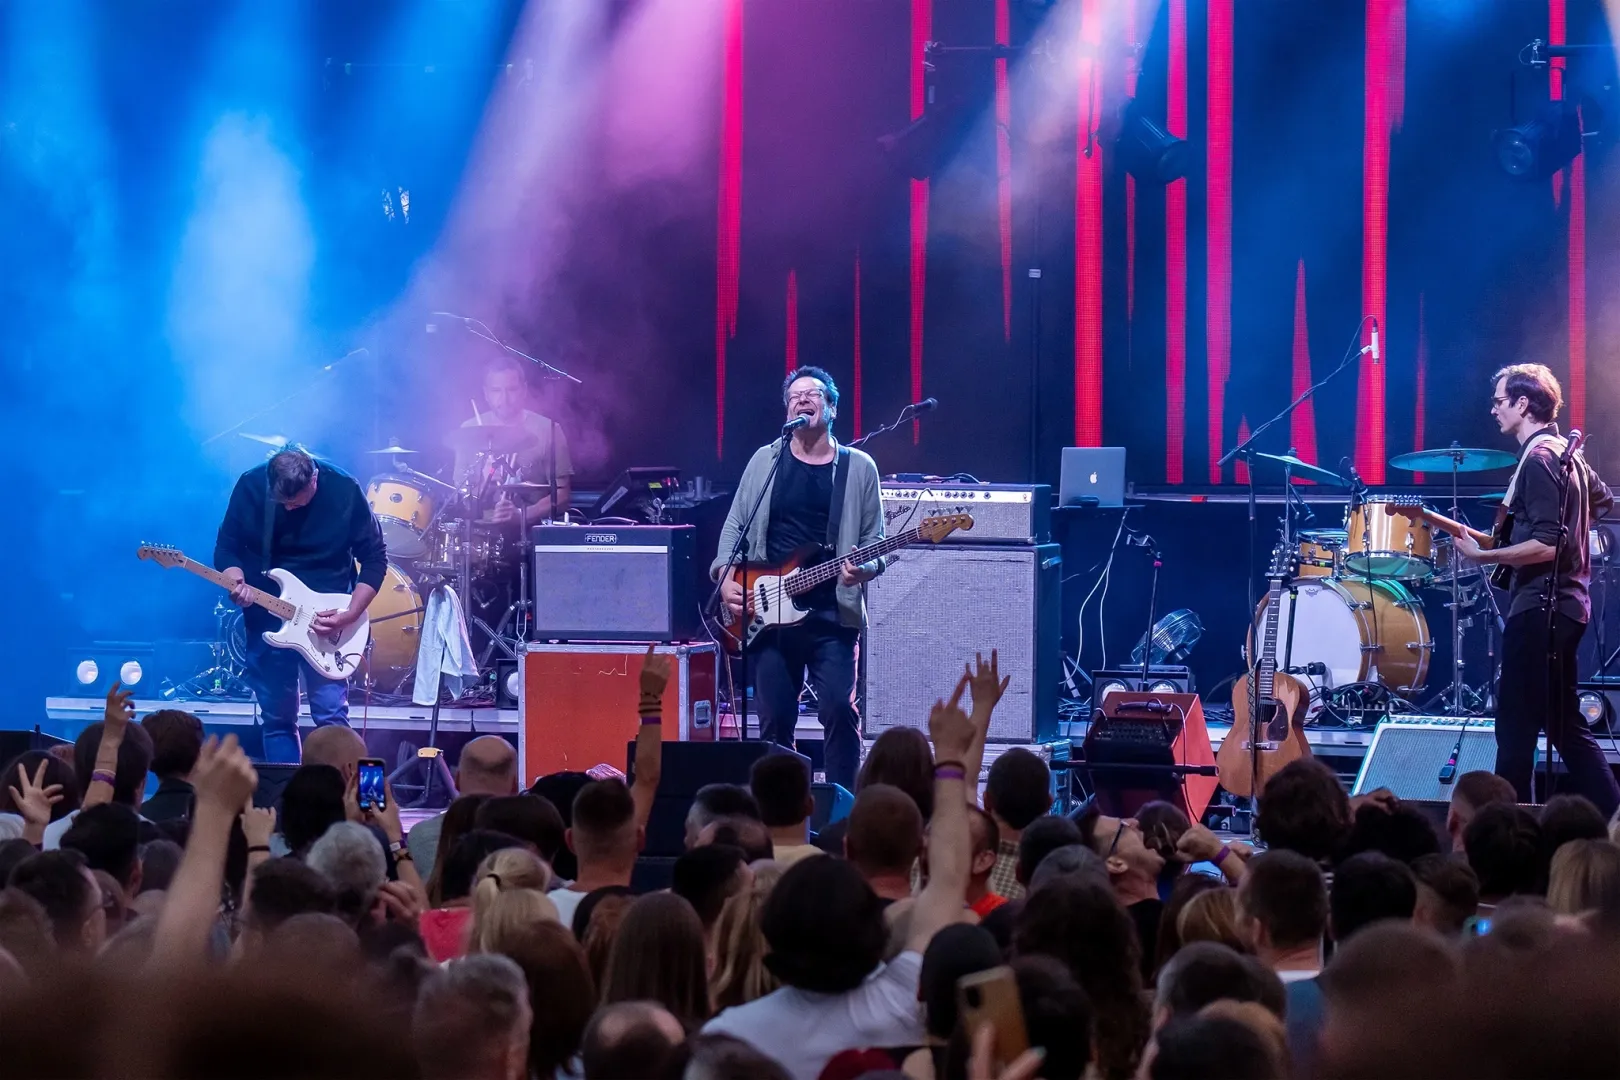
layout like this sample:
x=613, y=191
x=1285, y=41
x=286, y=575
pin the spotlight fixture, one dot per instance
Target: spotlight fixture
x=1111, y=686
x=87, y=672
x=129, y=673
x=1540, y=147
x=1151, y=154
x=1592, y=707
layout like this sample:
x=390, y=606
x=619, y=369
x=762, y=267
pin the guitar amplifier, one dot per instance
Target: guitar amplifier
x=1406, y=755
x=1145, y=746
x=615, y=583
x=1002, y=513
x=938, y=605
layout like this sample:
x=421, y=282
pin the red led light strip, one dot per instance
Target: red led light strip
x=792, y=350
x=1088, y=240
x=1218, y=202
x=728, y=260
x=922, y=19
x=1384, y=75
x=1175, y=261
x=1302, y=424
x=1004, y=166
x=1575, y=386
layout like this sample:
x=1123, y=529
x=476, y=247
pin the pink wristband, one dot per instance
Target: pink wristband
x=104, y=776
x=651, y=718
x=1223, y=853
x=949, y=772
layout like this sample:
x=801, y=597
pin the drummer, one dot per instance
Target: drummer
x=506, y=398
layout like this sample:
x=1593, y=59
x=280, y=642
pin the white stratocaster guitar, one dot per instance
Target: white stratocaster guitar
x=296, y=607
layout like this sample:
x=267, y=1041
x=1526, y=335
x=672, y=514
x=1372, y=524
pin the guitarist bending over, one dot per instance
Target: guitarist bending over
x=1525, y=400
x=800, y=509
x=313, y=521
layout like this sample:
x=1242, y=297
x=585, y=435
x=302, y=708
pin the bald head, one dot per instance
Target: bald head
x=629, y=1038
x=488, y=767
x=336, y=745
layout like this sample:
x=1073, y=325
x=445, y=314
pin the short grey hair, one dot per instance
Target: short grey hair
x=1070, y=860
x=467, y=1012
x=351, y=858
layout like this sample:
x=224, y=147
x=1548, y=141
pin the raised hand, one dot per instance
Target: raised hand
x=985, y=682
x=33, y=798
x=655, y=672
x=224, y=777
x=401, y=902
x=258, y=824
x=119, y=712
x=950, y=727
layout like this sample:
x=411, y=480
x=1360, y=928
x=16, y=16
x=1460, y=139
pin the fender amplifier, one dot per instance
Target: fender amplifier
x=1002, y=513
x=615, y=583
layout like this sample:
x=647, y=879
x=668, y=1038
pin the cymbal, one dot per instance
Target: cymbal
x=495, y=438
x=1305, y=469
x=396, y=449
x=1466, y=459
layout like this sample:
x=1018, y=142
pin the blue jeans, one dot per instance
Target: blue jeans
x=273, y=675
x=779, y=663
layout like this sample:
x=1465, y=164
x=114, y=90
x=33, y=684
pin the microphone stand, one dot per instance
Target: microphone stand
x=908, y=413
x=739, y=556
x=279, y=402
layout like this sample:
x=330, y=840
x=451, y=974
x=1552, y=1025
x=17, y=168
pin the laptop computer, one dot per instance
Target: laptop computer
x=1092, y=476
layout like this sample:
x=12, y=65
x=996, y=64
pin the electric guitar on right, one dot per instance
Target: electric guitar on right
x=1412, y=508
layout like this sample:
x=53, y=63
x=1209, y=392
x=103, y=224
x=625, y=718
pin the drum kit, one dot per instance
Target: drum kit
x=1353, y=620
x=437, y=535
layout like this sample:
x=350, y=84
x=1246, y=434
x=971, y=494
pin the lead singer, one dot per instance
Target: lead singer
x=799, y=509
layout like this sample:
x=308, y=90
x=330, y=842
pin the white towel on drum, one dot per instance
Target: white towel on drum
x=445, y=648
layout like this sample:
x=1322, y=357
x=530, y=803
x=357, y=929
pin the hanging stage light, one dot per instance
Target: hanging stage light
x=1537, y=149
x=1151, y=154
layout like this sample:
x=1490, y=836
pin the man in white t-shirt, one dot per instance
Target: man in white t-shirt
x=825, y=930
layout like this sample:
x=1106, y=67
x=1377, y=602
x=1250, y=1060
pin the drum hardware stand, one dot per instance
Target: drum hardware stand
x=222, y=678
x=1245, y=447
x=520, y=611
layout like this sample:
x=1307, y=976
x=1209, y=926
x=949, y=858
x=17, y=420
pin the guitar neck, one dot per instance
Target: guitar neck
x=1266, y=669
x=275, y=605
x=1454, y=528
x=822, y=573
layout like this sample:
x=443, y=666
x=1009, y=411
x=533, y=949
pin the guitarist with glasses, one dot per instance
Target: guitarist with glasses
x=1524, y=404
x=312, y=520
x=826, y=494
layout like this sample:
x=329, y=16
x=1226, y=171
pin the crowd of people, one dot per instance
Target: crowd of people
x=191, y=933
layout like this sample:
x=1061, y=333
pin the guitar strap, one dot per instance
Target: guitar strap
x=269, y=523
x=835, y=512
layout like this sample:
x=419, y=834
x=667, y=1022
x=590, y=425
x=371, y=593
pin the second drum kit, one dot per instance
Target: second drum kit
x=1352, y=623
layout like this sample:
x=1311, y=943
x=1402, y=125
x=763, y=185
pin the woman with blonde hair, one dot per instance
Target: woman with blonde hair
x=1211, y=916
x=562, y=994
x=1585, y=877
x=737, y=967
x=510, y=889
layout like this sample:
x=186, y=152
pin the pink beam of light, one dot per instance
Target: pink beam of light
x=728, y=261
x=1302, y=425
x=792, y=336
x=922, y=24
x=1575, y=258
x=1088, y=228
x=1384, y=78
x=1004, y=166
x=1175, y=261
x=1218, y=227
x=1421, y=404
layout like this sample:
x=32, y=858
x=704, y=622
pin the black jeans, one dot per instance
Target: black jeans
x=779, y=662
x=1522, y=710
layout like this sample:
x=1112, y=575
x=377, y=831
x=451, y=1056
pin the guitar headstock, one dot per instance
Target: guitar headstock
x=938, y=527
x=1407, y=506
x=165, y=555
x=1284, y=561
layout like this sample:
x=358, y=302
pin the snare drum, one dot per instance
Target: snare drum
x=396, y=629
x=404, y=509
x=1384, y=545
x=1359, y=634
x=1319, y=551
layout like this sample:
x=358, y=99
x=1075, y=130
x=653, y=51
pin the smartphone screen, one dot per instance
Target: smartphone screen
x=372, y=787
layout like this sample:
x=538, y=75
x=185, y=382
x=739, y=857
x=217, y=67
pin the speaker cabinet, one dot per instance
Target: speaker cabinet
x=685, y=768
x=615, y=583
x=1142, y=747
x=935, y=607
x=1406, y=755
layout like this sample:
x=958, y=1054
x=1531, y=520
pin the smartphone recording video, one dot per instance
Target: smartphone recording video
x=372, y=786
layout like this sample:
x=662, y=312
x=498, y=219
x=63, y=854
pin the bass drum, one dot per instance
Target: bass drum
x=396, y=630
x=1359, y=634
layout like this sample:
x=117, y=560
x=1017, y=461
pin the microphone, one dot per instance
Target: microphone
x=1576, y=438
x=925, y=405
x=795, y=424
x=1375, y=353
x=1448, y=771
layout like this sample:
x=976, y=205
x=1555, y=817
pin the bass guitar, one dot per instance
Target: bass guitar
x=1268, y=706
x=1413, y=509
x=296, y=607
x=773, y=589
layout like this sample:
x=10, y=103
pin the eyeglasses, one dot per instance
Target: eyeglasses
x=1117, y=834
x=805, y=395
x=1499, y=401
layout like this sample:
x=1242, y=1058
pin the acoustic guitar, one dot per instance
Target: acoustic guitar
x=1268, y=706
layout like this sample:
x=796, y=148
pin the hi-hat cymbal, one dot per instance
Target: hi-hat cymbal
x=1462, y=458
x=395, y=449
x=1305, y=470
x=495, y=438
